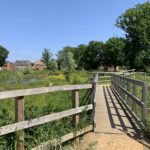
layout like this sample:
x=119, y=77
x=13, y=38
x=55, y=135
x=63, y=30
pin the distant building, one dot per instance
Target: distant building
x=39, y=65
x=22, y=64
x=9, y=66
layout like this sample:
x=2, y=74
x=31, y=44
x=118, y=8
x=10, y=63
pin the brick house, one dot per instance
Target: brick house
x=39, y=65
x=9, y=66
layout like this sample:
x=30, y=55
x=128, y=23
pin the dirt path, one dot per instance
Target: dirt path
x=93, y=141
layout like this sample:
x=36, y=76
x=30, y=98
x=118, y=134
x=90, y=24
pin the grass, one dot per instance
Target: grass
x=39, y=105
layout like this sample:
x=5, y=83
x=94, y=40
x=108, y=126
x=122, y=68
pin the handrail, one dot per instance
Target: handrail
x=41, y=120
x=138, y=82
x=123, y=85
x=33, y=91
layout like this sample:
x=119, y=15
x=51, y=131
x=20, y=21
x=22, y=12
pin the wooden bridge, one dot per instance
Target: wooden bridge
x=115, y=108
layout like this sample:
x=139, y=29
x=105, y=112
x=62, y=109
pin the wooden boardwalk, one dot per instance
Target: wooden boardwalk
x=110, y=117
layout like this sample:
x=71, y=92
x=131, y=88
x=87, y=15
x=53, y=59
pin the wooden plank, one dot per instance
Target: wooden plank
x=135, y=94
x=144, y=100
x=93, y=100
x=75, y=104
x=41, y=120
x=135, y=99
x=138, y=82
x=129, y=90
x=52, y=143
x=33, y=91
x=19, y=117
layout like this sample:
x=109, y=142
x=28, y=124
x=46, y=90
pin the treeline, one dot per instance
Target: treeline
x=132, y=51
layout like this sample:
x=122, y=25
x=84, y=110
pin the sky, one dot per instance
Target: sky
x=29, y=26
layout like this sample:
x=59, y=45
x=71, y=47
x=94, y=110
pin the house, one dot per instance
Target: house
x=39, y=65
x=22, y=64
x=9, y=66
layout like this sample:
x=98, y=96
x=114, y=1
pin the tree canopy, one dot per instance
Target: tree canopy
x=93, y=55
x=114, y=52
x=46, y=57
x=3, y=55
x=136, y=24
x=78, y=55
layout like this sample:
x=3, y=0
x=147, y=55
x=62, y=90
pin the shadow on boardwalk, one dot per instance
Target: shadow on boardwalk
x=118, y=116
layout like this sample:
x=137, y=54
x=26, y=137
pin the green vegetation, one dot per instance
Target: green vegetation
x=39, y=105
x=136, y=24
x=113, y=53
x=46, y=57
x=3, y=55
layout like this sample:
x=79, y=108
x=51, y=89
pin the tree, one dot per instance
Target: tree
x=3, y=55
x=78, y=55
x=61, y=56
x=46, y=57
x=93, y=55
x=113, y=53
x=67, y=62
x=136, y=24
x=53, y=65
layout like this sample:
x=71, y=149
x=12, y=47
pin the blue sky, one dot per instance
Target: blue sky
x=29, y=26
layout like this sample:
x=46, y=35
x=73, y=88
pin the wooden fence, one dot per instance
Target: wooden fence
x=128, y=90
x=22, y=124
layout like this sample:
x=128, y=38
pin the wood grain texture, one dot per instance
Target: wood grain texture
x=19, y=117
x=41, y=120
x=33, y=91
x=75, y=104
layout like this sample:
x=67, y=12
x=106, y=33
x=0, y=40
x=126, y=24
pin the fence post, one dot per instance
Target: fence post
x=144, y=100
x=129, y=90
x=93, y=100
x=19, y=116
x=75, y=104
x=135, y=94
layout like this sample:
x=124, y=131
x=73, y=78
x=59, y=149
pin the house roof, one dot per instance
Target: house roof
x=39, y=62
x=22, y=63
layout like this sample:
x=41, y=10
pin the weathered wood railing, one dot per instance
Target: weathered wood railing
x=127, y=90
x=22, y=124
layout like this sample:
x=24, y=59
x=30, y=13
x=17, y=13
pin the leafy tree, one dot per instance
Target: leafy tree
x=67, y=63
x=78, y=55
x=113, y=53
x=46, y=57
x=61, y=56
x=53, y=65
x=93, y=55
x=136, y=24
x=3, y=55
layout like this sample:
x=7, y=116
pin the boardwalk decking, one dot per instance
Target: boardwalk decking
x=110, y=117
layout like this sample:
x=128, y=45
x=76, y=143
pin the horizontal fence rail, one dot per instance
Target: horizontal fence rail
x=33, y=91
x=128, y=90
x=41, y=120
